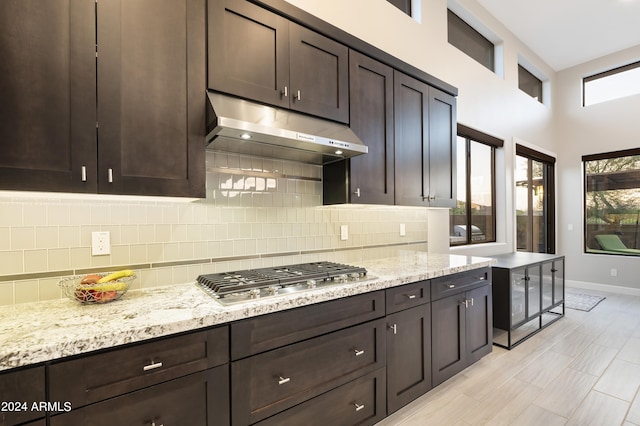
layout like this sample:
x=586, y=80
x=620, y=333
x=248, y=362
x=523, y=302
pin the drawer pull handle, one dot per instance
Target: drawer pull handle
x=358, y=352
x=411, y=296
x=110, y=175
x=283, y=380
x=84, y=173
x=451, y=286
x=394, y=327
x=465, y=303
x=152, y=366
x=154, y=424
x=358, y=406
x=471, y=300
x=482, y=278
x=285, y=91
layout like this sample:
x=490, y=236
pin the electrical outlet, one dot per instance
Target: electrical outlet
x=614, y=272
x=344, y=232
x=100, y=243
x=403, y=230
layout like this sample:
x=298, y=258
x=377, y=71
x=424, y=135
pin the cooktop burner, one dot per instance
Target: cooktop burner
x=240, y=286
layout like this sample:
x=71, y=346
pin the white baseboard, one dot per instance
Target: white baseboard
x=603, y=287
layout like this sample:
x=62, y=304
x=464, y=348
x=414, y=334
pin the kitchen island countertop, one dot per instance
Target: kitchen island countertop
x=32, y=333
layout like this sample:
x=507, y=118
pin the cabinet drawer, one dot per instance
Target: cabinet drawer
x=271, y=331
x=360, y=402
x=408, y=296
x=96, y=377
x=198, y=399
x=457, y=283
x=271, y=382
x=23, y=387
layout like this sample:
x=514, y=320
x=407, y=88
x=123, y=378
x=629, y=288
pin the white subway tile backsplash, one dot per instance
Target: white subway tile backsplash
x=35, y=261
x=23, y=238
x=26, y=291
x=244, y=214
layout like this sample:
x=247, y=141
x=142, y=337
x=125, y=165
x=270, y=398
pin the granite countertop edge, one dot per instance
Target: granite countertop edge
x=33, y=333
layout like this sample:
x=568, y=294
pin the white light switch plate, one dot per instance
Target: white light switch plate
x=100, y=243
x=344, y=232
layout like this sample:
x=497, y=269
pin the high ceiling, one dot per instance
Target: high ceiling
x=565, y=33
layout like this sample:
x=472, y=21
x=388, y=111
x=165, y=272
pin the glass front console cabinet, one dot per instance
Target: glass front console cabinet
x=528, y=295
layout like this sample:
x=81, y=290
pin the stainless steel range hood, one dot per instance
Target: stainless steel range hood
x=240, y=126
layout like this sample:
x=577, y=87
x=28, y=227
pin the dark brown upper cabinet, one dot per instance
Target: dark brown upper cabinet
x=425, y=148
x=125, y=117
x=151, y=104
x=48, y=87
x=367, y=179
x=256, y=54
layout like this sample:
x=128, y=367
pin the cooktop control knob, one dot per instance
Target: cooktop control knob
x=273, y=290
x=341, y=278
x=354, y=276
x=254, y=292
x=311, y=283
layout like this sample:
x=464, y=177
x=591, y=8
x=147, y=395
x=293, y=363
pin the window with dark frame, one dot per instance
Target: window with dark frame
x=613, y=84
x=529, y=83
x=403, y=5
x=467, y=39
x=612, y=203
x=473, y=220
x=534, y=174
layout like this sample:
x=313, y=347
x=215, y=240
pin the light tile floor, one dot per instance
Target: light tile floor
x=582, y=370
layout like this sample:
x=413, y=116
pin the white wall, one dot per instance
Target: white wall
x=604, y=127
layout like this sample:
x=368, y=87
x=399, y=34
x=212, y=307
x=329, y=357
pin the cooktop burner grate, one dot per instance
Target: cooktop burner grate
x=230, y=287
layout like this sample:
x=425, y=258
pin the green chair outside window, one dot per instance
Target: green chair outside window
x=613, y=243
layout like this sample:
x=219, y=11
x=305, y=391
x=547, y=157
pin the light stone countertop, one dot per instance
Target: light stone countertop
x=31, y=333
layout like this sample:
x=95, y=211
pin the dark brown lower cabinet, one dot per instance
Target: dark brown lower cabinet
x=197, y=399
x=360, y=402
x=408, y=355
x=19, y=390
x=274, y=381
x=462, y=331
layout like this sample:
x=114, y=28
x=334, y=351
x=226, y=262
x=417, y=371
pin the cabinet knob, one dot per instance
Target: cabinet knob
x=358, y=352
x=465, y=302
x=285, y=92
x=283, y=380
x=358, y=406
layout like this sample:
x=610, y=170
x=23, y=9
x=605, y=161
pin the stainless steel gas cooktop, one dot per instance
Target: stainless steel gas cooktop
x=241, y=286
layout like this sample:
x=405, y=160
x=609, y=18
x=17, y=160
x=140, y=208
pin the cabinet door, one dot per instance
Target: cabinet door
x=547, y=285
x=411, y=109
x=442, y=149
x=448, y=337
x=197, y=399
x=24, y=388
x=48, y=87
x=518, y=295
x=558, y=281
x=371, y=118
x=248, y=51
x=534, y=287
x=408, y=355
x=319, y=74
x=151, y=108
x=479, y=323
